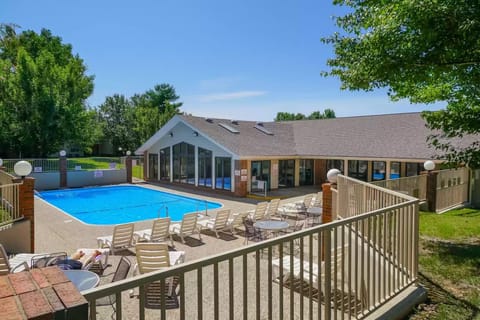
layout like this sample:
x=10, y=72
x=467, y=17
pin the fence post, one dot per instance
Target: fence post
x=63, y=171
x=432, y=190
x=327, y=202
x=128, y=165
x=27, y=205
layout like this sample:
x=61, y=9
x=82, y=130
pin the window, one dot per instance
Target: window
x=286, y=173
x=378, y=170
x=306, y=172
x=165, y=164
x=223, y=171
x=394, y=170
x=204, y=167
x=335, y=164
x=153, y=166
x=413, y=169
x=358, y=169
x=184, y=163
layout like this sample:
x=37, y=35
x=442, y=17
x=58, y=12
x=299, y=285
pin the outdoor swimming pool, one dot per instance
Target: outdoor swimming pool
x=122, y=204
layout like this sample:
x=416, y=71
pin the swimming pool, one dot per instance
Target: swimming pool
x=122, y=204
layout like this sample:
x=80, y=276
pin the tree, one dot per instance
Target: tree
x=424, y=51
x=117, y=118
x=43, y=92
x=286, y=116
x=153, y=109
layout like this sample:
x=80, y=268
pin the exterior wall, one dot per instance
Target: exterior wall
x=87, y=178
x=46, y=180
x=17, y=238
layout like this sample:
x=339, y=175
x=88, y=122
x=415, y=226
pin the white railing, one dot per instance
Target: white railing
x=346, y=268
x=415, y=186
x=9, y=203
x=452, y=188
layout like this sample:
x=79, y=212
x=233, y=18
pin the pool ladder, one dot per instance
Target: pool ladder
x=159, y=212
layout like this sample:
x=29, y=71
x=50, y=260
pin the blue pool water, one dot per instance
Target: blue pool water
x=122, y=204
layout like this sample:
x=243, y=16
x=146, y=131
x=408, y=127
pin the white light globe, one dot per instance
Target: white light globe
x=1, y=162
x=429, y=165
x=22, y=168
x=332, y=175
x=63, y=153
x=129, y=153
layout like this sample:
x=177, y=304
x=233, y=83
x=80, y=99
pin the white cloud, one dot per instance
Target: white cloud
x=230, y=96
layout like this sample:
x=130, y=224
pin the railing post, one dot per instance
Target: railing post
x=327, y=213
x=63, y=171
x=26, y=205
x=432, y=190
x=128, y=165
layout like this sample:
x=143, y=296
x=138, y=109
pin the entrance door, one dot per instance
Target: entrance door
x=306, y=172
x=260, y=175
x=286, y=173
x=153, y=166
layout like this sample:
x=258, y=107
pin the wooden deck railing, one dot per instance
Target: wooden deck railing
x=452, y=188
x=346, y=268
x=415, y=186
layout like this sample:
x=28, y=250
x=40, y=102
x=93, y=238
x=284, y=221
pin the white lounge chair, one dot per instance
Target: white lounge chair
x=8, y=266
x=259, y=212
x=159, y=232
x=216, y=224
x=272, y=210
x=122, y=238
x=187, y=227
x=236, y=221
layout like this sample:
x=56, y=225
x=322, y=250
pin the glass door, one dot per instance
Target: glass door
x=153, y=166
x=260, y=175
x=306, y=172
x=286, y=173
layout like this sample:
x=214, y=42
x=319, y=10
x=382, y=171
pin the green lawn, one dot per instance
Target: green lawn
x=450, y=264
x=93, y=163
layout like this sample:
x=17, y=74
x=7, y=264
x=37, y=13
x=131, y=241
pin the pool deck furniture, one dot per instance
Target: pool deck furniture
x=216, y=224
x=259, y=212
x=271, y=226
x=82, y=279
x=272, y=210
x=121, y=239
x=187, y=227
x=236, y=221
x=10, y=265
x=159, y=232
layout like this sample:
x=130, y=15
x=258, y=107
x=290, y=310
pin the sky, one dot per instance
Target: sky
x=243, y=60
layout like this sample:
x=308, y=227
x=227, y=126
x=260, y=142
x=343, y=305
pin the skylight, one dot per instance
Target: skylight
x=260, y=127
x=226, y=126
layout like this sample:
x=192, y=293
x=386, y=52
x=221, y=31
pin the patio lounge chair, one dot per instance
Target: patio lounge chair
x=272, y=210
x=120, y=273
x=259, y=212
x=6, y=267
x=296, y=208
x=122, y=238
x=187, y=227
x=216, y=224
x=159, y=232
x=236, y=221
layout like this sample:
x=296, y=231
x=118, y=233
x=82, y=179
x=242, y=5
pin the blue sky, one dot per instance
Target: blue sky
x=228, y=59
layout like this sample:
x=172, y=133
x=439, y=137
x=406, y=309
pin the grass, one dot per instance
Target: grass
x=94, y=163
x=450, y=265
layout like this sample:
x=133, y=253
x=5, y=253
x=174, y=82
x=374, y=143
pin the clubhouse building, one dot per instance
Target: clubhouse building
x=242, y=157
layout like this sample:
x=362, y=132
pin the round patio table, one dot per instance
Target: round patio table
x=82, y=279
x=271, y=225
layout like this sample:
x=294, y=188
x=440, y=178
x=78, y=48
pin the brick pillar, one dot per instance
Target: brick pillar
x=63, y=171
x=432, y=190
x=26, y=205
x=128, y=165
x=240, y=183
x=327, y=202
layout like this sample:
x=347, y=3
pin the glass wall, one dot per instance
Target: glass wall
x=413, y=169
x=204, y=167
x=260, y=175
x=358, y=169
x=165, y=164
x=378, y=172
x=223, y=172
x=394, y=170
x=184, y=163
x=286, y=173
x=306, y=172
x=153, y=166
x=335, y=164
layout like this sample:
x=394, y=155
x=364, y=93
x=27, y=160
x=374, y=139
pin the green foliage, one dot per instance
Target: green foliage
x=43, y=92
x=425, y=51
x=454, y=225
x=286, y=116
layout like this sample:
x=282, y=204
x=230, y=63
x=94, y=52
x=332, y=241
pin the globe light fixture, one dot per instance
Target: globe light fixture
x=22, y=168
x=429, y=165
x=129, y=152
x=332, y=175
x=63, y=153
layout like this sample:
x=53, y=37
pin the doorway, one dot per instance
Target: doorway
x=260, y=176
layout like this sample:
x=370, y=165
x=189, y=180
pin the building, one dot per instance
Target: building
x=246, y=157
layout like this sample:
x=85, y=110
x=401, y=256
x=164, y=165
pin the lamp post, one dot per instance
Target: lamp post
x=22, y=168
x=332, y=175
x=429, y=165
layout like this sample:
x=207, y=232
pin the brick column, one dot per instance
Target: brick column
x=240, y=184
x=432, y=190
x=128, y=165
x=63, y=171
x=327, y=202
x=26, y=205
